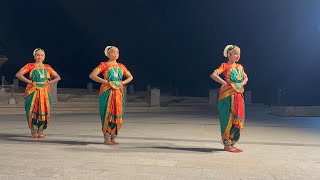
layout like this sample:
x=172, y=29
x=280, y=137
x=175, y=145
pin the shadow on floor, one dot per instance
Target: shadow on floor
x=192, y=149
x=24, y=138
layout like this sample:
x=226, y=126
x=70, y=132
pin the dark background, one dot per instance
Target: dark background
x=172, y=44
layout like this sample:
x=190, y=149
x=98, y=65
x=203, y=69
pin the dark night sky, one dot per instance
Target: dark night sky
x=175, y=43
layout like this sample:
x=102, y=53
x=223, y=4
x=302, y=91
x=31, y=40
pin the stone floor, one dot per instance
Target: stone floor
x=161, y=146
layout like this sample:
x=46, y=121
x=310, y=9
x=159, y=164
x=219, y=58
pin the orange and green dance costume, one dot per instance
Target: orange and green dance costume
x=231, y=105
x=111, y=99
x=37, y=97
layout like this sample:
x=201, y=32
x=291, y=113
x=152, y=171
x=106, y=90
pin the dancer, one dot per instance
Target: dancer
x=37, y=95
x=111, y=95
x=231, y=104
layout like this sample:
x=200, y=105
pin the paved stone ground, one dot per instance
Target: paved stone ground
x=161, y=146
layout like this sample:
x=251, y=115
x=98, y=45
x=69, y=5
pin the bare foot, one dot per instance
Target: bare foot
x=240, y=150
x=231, y=149
x=114, y=142
x=41, y=136
x=107, y=142
x=33, y=136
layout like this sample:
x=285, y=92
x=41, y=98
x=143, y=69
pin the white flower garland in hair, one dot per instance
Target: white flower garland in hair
x=37, y=49
x=107, y=49
x=225, y=51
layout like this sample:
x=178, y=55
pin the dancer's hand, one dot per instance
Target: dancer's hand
x=105, y=81
x=242, y=84
x=224, y=84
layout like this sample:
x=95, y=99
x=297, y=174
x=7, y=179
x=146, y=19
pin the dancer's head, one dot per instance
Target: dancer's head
x=232, y=52
x=39, y=55
x=112, y=52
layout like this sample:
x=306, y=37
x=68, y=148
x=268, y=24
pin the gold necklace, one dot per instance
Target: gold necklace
x=238, y=76
x=41, y=74
x=115, y=74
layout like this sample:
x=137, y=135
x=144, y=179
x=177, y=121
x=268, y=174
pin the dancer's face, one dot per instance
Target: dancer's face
x=39, y=56
x=234, y=54
x=114, y=53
